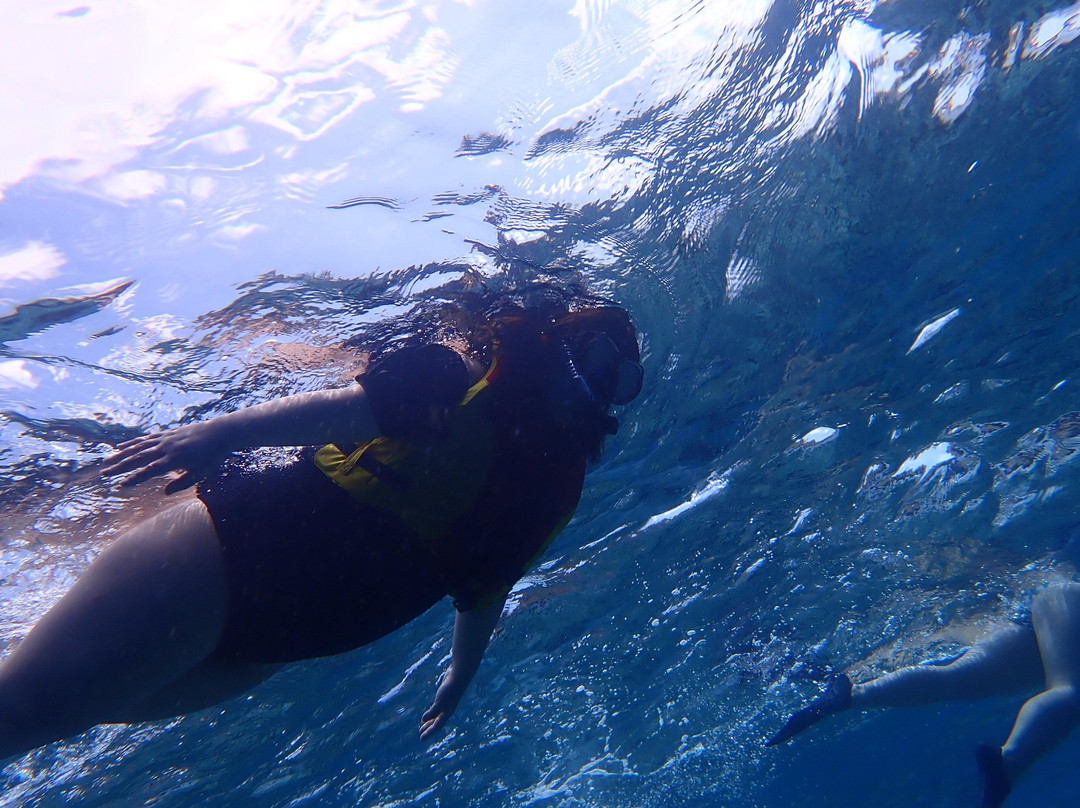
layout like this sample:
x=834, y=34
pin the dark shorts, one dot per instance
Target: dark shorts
x=311, y=572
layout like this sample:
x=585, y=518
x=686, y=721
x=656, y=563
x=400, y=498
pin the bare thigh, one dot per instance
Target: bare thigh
x=149, y=609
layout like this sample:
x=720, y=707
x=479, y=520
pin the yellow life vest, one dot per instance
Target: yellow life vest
x=429, y=483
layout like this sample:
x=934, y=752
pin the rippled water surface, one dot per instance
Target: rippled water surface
x=847, y=231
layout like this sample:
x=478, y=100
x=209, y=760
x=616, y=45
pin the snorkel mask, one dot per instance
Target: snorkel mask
x=601, y=349
x=611, y=377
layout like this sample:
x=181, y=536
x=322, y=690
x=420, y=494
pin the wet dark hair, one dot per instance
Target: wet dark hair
x=475, y=317
x=533, y=322
x=606, y=318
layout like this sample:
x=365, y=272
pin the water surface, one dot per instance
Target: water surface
x=846, y=230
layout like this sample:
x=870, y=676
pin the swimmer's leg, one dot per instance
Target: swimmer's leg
x=1006, y=662
x=151, y=607
x=1046, y=719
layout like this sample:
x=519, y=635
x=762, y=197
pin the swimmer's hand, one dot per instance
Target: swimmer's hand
x=192, y=449
x=837, y=697
x=472, y=633
x=447, y=698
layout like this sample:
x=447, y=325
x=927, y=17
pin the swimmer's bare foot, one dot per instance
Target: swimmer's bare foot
x=837, y=697
x=992, y=776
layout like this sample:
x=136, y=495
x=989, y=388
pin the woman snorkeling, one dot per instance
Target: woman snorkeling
x=447, y=469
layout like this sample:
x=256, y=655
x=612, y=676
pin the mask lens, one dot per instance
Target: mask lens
x=612, y=377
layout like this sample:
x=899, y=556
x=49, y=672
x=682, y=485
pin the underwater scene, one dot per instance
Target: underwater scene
x=848, y=234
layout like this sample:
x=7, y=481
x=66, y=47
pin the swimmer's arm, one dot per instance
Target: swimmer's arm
x=472, y=633
x=306, y=419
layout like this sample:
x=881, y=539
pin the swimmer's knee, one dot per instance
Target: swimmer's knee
x=1065, y=591
x=1067, y=698
x=1055, y=612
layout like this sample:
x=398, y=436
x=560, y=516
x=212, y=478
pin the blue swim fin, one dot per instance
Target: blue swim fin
x=837, y=697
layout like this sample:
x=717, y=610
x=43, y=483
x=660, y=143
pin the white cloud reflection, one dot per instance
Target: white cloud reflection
x=138, y=100
x=91, y=89
x=14, y=374
x=33, y=262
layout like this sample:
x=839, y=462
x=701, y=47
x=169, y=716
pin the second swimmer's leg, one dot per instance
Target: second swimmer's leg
x=151, y=607
x=1046, y=719
x=1006, y=662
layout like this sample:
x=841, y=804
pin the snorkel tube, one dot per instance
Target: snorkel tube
x=579, y=398
x=598, y=351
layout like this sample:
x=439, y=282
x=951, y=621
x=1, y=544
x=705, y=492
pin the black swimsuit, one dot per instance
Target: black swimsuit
x=313, y=571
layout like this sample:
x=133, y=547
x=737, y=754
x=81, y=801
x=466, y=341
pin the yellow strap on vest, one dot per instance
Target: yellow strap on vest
x=428, y=483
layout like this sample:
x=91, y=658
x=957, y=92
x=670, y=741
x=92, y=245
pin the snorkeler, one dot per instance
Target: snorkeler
x=443, y=471
x=1042, y=656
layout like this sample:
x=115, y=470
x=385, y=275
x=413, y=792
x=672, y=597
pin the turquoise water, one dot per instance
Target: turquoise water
x=848, y=233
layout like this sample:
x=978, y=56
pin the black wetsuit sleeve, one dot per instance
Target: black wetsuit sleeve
x=411, y=390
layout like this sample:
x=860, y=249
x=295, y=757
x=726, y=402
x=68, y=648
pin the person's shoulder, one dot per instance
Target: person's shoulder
x=411, y=388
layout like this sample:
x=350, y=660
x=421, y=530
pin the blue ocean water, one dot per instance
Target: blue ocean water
x=847, y=231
